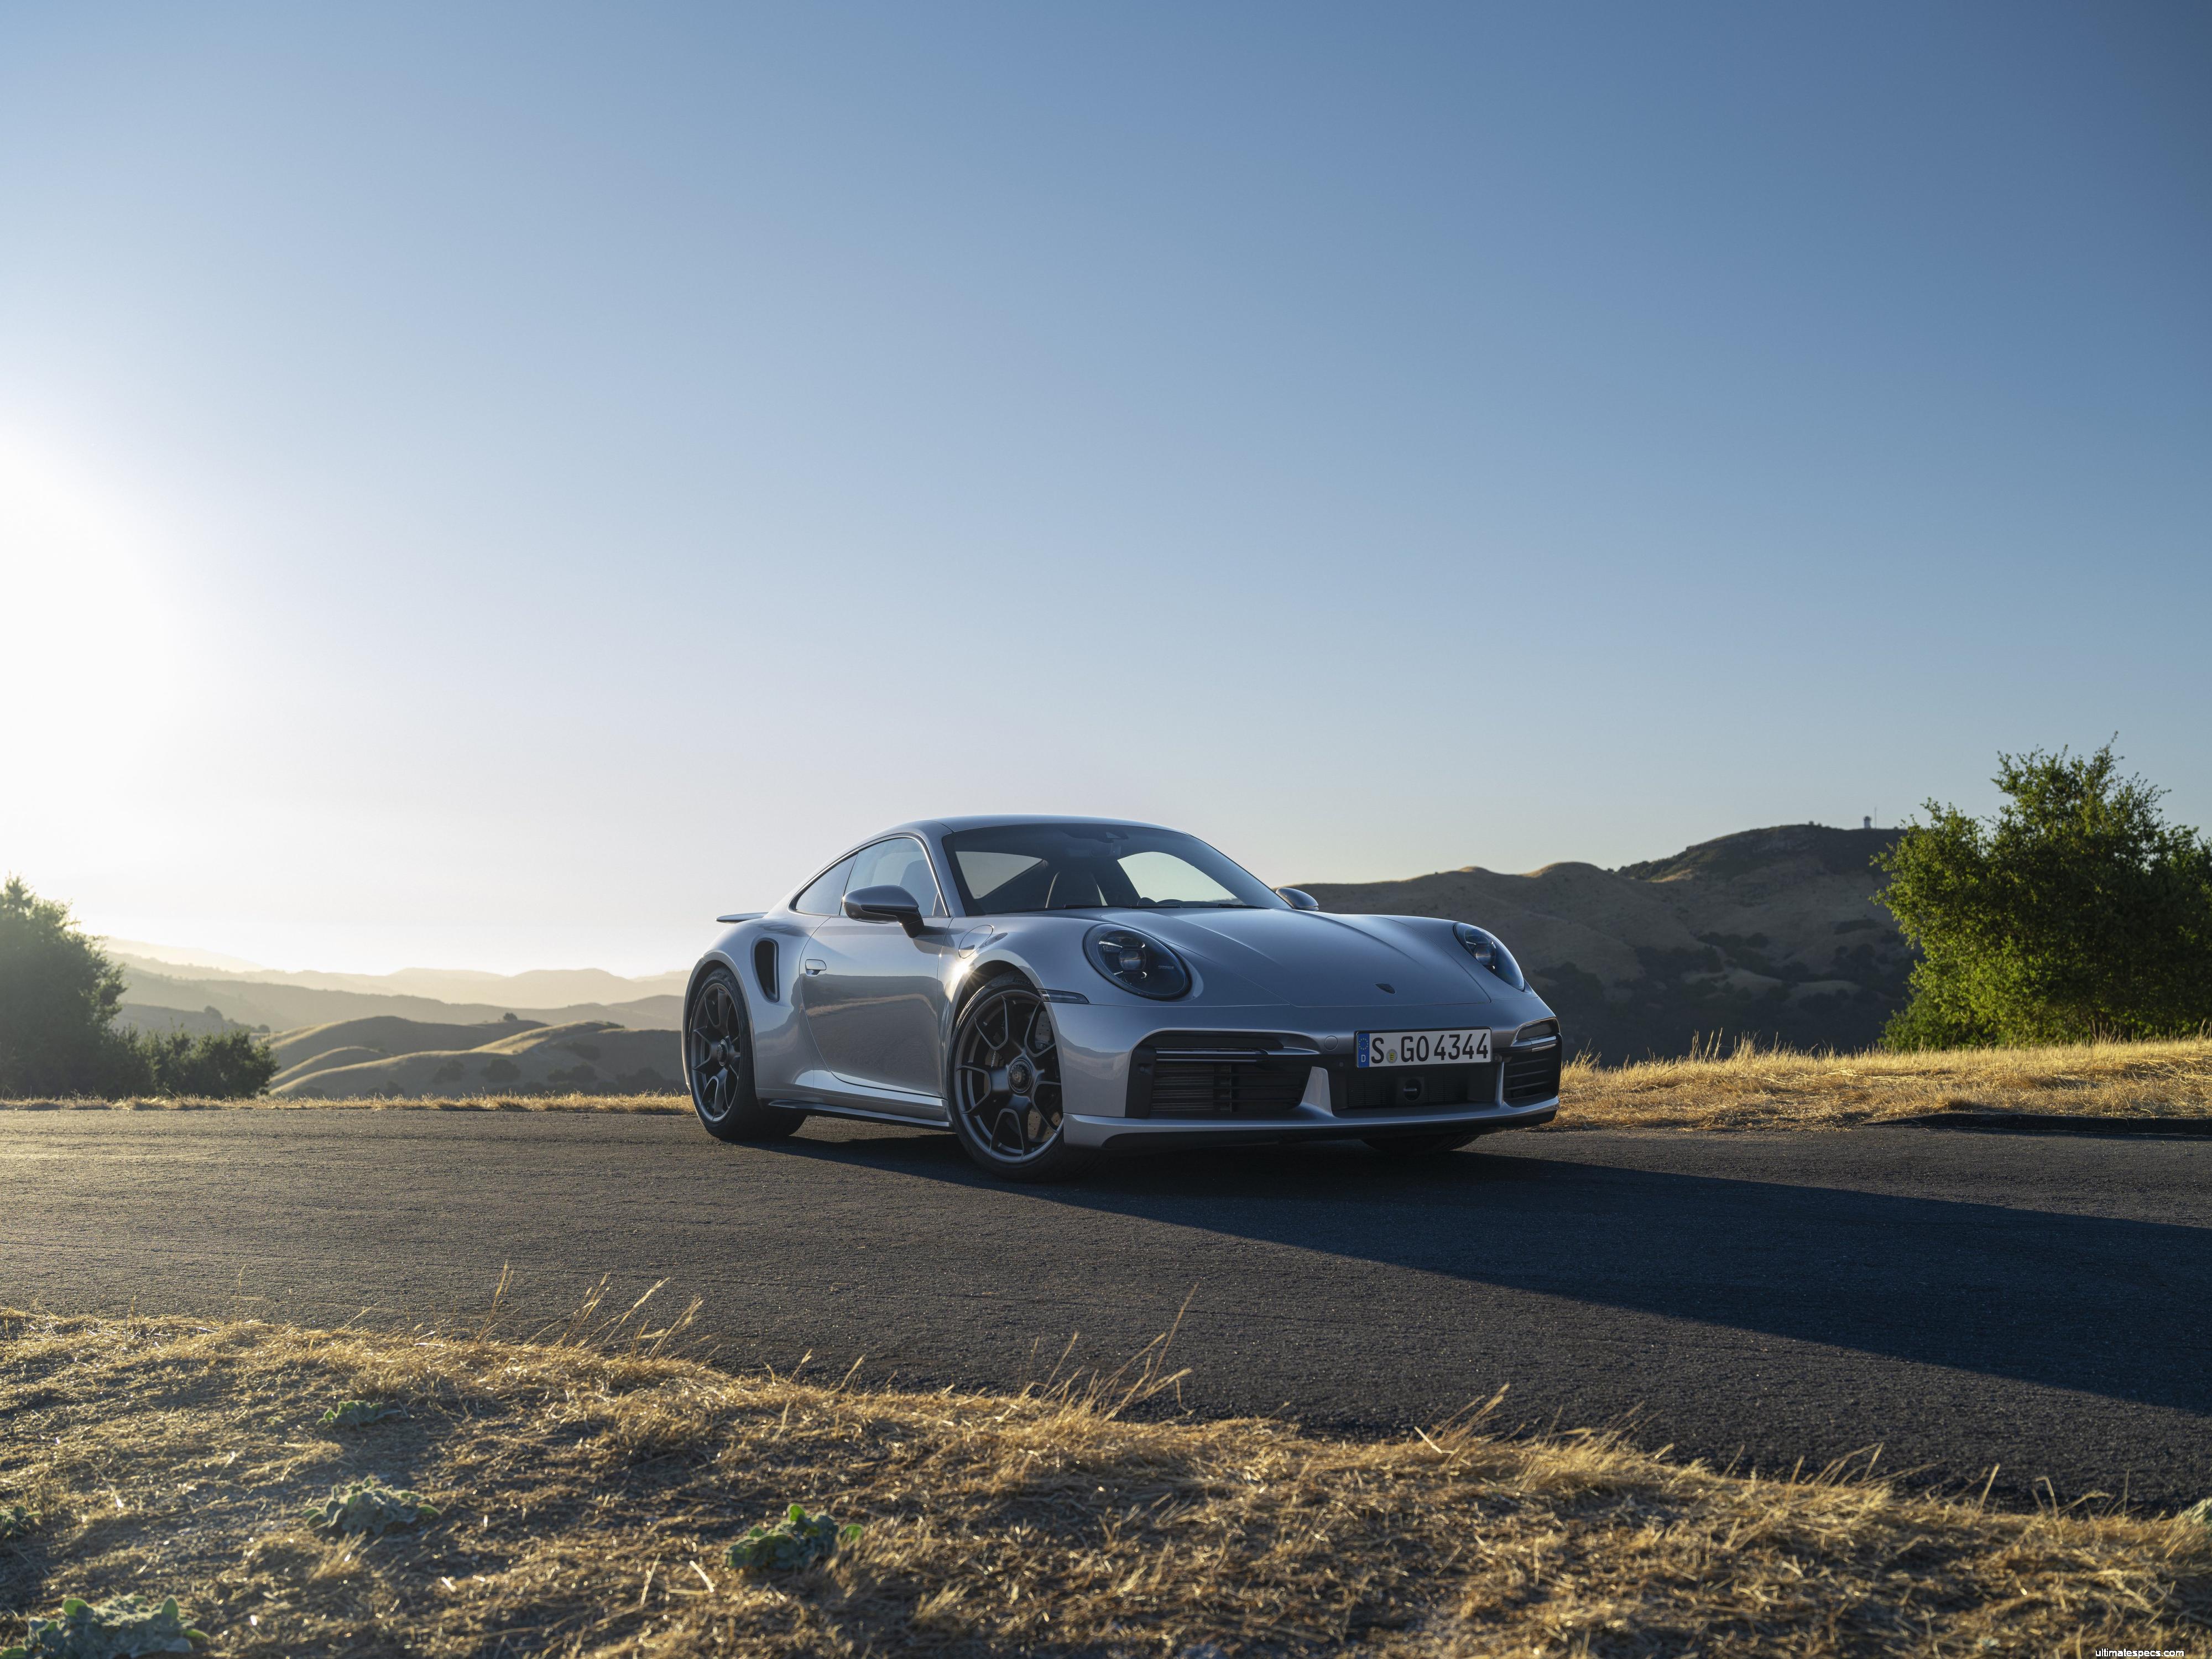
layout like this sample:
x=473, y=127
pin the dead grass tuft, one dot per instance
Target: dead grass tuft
x=1755, y=1088
x=588, y=1489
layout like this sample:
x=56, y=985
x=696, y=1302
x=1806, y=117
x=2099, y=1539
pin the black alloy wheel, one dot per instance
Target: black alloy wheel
x=718, y=1057
x=1006, y=1102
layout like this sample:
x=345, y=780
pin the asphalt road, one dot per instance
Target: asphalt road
x=2043, y=1302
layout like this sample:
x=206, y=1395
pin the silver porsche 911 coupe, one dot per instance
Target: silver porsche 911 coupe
x=1049, y=988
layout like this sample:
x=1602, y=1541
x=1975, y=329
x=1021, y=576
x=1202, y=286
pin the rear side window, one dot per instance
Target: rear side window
x=898, y=862
x=821, y=896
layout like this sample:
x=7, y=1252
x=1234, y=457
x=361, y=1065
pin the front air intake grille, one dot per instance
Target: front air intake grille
x=1402, y=1088
x=1220, y=1074
x=1184, y=1089
x=1532, y=1078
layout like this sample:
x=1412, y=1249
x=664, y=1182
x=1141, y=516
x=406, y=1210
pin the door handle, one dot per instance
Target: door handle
x=813, y=967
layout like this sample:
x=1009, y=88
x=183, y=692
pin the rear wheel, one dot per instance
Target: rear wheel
x=718, y=1056
x=1418, y=1145
x=1005, y=1094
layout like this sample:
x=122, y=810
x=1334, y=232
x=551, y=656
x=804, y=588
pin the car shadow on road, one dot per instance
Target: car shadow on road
x=2106, y=1306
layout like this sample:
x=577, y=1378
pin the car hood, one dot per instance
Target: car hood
x=1310, y=958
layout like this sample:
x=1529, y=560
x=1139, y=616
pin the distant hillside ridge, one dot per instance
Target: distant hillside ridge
x=537, y=991
x=281, y=1007
x=1773, y=933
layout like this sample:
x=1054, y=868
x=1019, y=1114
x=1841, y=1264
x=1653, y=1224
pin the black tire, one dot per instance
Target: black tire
x=1419, y=1146
x=718, y=1059
x=1003, y=1085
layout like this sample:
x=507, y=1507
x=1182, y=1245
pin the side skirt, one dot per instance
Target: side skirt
x=818, y=1109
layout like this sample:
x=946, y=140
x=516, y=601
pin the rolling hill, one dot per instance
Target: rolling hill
x=1773, y=933
x=407, y=1058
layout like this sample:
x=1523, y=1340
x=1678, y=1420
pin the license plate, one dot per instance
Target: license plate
x=1424, y=1048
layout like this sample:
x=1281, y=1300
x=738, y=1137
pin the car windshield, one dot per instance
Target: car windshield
x=1096, y=866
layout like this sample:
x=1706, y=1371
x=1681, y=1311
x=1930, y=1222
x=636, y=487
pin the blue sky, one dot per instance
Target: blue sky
x=493, y=486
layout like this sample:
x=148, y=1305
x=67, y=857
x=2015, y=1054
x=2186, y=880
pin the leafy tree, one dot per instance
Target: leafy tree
x=58, y=999
x=2076, y=912
x=59, y=996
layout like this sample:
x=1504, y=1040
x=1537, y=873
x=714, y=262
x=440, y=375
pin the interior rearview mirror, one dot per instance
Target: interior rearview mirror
x=885, y=904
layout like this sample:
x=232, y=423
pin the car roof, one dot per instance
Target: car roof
x=1001, y=820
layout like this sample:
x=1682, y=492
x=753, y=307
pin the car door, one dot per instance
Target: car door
x=874, y=997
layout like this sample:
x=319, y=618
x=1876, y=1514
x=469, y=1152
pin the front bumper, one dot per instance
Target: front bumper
x=1308, y=1123
x=1103, y=1047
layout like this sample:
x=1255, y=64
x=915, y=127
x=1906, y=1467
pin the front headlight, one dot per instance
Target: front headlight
x=1490, y=951
x=1136, y=963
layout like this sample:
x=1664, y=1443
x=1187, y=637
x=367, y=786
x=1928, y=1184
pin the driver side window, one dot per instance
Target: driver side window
x=898, y=862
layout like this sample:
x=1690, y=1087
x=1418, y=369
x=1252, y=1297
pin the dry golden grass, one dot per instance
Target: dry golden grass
x=1770, y=1089
x=589, y=1486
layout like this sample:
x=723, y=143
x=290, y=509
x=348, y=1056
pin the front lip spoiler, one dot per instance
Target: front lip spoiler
x=1129, y=1134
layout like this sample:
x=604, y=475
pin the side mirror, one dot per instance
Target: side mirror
x=885, y=904
x=1300, y=900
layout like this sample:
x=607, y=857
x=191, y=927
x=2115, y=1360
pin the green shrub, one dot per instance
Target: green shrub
x=234, y=1066
x=2076, y=912
x=16, y=1523
x=58, y=997
x=122, y=1627
x=369, y=1507
x=357, y=1415
x=797, y=1540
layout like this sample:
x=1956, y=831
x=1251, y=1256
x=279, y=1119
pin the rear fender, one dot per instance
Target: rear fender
x=764, y=955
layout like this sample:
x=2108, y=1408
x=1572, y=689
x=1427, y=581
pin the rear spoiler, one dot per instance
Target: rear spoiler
x=744, y=915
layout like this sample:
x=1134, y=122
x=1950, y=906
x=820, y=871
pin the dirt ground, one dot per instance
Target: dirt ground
x=587, y=1486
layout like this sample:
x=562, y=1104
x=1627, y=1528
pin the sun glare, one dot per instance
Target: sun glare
x=96, y=671
x=97, y=634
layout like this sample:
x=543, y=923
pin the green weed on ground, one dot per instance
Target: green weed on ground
x=122, y=1627
x=798, y=1539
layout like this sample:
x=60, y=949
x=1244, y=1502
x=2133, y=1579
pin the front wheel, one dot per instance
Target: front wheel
x=718, y=1057
x=1006, y=1105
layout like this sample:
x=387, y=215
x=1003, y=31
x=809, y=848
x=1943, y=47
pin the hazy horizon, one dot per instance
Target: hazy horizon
x=498, y=487
x=188, y=959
